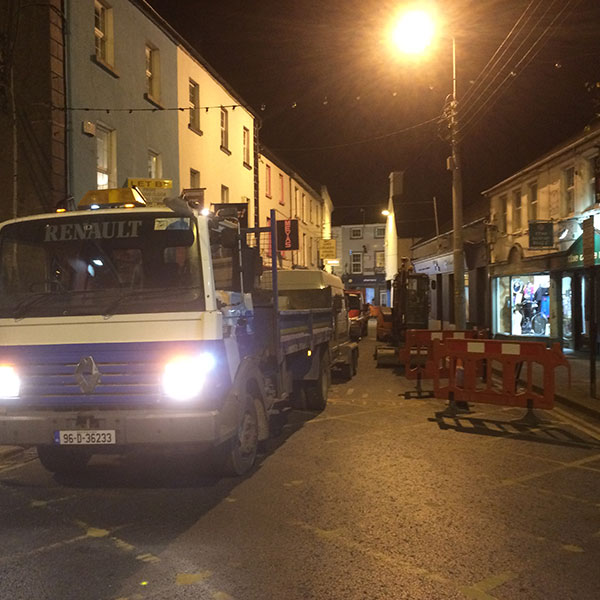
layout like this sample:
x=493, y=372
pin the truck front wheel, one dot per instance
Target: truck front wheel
x=317, y=391
x=242, y=448
x=58, y=459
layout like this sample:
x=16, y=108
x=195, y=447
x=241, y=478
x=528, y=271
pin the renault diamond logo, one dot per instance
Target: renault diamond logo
x=87, y=375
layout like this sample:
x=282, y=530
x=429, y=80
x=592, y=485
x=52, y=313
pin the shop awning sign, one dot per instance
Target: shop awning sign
x=575, y=255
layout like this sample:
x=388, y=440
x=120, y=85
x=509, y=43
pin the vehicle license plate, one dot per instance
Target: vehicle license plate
x=85, y=437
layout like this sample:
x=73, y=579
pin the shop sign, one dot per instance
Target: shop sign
x=575, y=256
x=541, y=234
x=327, y=249
x=287, y=235
x=155, y=190
x=588, y=242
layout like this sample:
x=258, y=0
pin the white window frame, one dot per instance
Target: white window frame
x=592, y=180
x=224, y=194
x=194, y=104
x=152, y=72
x=103, y=32
x=379, y=259
x=503, y=213
x=380, y=231
x=517, y=211
x=246, y=145
x=356, y=233
x=268, y=181
x=356, y=266
x=532, y=208
x=569, y=191
x=296, y=201
x=154, y=165
x=224, y=129
x=107, y=170
x=281, y=190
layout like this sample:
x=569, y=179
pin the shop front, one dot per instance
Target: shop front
x=546, y=297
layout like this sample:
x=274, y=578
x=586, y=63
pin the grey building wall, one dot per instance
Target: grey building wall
x=91, y=86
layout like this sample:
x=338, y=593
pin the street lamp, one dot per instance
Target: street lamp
x=413, y=34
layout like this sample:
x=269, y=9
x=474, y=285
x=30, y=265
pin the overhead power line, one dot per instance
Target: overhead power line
x=363, y=141
x=526, y=59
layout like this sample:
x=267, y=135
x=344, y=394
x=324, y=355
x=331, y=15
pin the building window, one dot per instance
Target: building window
x=103, y=28
x=246, y=146
x=533, y=201
x=312, y=251
x=304, y=263
x=569, y=196
x=224, y=194
x=105, y=158
x=502, y=214
x=194, y=178
x=281, y=190
x=356, y=233
x=296, y=199
x=379, y=259
x=379, y=232
x=356, y=263
x=516, y=211
x=152, y=73
x=304, y=207
x=593, y=167
x=154, y=165
x=194, y=104
x=268, y=180
x=224, y=129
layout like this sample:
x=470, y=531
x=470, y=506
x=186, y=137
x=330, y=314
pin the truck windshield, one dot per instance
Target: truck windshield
x=100, y=263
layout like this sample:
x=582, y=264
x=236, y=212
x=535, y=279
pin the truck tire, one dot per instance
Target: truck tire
x=317, y=391
x=241, y=450
x=58, y=459
x=350, y=369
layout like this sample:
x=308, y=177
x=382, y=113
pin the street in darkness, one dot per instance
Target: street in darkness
x=376, y=497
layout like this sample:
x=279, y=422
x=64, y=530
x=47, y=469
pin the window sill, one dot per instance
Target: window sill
x=153, y=101
x=248, y=166
x=104, y=66
x=226, y=150
x=195, y=130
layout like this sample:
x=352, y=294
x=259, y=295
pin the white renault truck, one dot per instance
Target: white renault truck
x=124, y=325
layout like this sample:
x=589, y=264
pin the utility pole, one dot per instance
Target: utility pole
x=460, y=320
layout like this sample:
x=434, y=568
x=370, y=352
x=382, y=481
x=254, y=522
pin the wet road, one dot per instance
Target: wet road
x=378, y=497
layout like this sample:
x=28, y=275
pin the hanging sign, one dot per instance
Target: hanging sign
x=327, y=249
x=287, y=235
x=541, y=234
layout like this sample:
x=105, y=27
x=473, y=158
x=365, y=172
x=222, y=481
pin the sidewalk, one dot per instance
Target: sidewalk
x=578, y=395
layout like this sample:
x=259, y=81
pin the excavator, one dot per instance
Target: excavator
x=409, y=310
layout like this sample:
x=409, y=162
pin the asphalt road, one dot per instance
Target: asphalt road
x=378, y=497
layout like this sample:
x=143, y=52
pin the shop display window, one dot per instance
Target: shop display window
x=523, y=305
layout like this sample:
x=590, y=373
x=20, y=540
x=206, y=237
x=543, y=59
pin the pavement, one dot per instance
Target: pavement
x=577, y=395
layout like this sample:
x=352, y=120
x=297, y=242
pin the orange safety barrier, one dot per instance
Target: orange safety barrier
x=416, y=355
x=463, y=381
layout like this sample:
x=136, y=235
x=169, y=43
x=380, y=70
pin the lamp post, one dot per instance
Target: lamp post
x=413, y=34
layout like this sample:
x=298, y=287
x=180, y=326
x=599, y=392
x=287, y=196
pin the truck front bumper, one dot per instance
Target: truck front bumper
x=131, y=426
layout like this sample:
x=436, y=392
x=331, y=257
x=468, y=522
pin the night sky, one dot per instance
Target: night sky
x=341, y=107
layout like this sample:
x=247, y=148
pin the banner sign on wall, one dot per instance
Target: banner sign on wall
x=287, y=235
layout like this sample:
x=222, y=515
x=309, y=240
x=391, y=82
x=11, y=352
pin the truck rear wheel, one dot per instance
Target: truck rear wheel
x=58, y=459
x=317, y=391
x=242, y=448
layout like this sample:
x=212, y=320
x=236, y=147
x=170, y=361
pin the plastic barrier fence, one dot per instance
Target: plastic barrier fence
x=468, y=359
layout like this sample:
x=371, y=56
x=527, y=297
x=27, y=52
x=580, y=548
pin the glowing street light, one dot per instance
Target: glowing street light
x=412, y=34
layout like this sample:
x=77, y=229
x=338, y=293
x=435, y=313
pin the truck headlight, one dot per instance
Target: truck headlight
x=10, y=382
x=184, y=376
